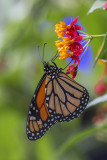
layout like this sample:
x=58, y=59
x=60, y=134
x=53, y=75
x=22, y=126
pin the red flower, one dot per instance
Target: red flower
x=76, y=48
x=73, y=29
x=72, y=70
x=76, y=59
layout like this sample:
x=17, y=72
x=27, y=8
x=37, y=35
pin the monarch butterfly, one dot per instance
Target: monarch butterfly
x=57, y=98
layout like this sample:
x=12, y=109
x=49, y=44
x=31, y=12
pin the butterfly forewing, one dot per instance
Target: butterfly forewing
x=65, y=98
x=39, y=119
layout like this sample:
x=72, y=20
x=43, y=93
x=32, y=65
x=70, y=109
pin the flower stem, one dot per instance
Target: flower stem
x=97, y=36
x=87, y=45
x=84, y=41
x=94, y=36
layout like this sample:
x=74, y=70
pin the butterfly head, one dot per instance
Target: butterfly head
x=51, y=69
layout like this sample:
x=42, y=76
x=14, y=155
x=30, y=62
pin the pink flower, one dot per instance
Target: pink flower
x=105, y=6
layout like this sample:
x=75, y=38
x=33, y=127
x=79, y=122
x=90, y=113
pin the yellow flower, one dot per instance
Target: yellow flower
x=59, y=43
x=60, y=28
x=63, y=48
x=64, y=53
x=66, y=42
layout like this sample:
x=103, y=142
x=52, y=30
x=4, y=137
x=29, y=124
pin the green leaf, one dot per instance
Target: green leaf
x=97, y=5
x=102, y=52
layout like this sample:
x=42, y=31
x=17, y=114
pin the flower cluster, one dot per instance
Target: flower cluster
x=70, y=45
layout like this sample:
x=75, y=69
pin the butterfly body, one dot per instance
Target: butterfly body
x=57, y=98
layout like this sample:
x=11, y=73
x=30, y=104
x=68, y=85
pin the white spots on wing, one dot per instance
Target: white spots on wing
x=50, y=111
x=34, y=96
x=45, y=124
x=33, y=108
x=32, y=118
x=33, y=134
x=53, y=77
x=37, y=133
x=47, y=104
x=47, y=98
x=52, y=119
x=29, y=112
x=74, y=113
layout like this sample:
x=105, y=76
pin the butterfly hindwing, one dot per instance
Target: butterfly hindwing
x=65, y=98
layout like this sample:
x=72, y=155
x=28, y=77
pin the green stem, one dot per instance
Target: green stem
x=84, y=41
x=87, y=45
x=76, y=138
x=85, y=33
x=94, y=36
x=97, y=36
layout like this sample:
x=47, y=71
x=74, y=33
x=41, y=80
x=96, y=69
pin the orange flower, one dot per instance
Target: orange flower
x=65, y=54
x=66, y=42
x=60, y=28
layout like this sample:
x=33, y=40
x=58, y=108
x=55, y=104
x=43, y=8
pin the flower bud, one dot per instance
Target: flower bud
x=100, y=87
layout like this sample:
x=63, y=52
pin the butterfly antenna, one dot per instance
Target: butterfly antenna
x=43, y=51
x=39, y=54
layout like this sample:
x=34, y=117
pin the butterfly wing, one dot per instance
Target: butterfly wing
x=39, y=119
x=65, y=98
